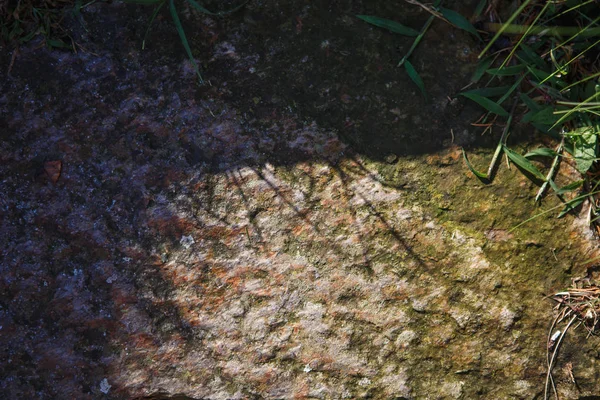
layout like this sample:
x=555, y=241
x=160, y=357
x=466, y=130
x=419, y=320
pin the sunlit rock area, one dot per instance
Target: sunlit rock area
x=302, y=226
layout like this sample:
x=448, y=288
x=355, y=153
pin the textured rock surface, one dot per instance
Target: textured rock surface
x=159, y=239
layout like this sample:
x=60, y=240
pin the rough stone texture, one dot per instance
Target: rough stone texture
x=157, y=241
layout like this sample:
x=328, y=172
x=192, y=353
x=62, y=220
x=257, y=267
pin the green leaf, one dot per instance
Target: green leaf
x=486, y=103
x=570, y=187
x=478, y=174
x=529, y=56
x=490, y=91
x=481, y=68
x=532, y=105
x=204, y=10
x=412, y=73
x=507, y=71
x=144, y=2
x=511, y=89
x=198, y=7
x=571, y=205
x=541, y=152
x=584, y=141
x=459, y=21
x=480, y=7
x=183, y=38
x=545, y=116
x=524, y=164
x=389, y=24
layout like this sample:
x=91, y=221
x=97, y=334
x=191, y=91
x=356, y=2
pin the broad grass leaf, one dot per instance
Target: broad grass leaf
x=198, y=7
x=529, y=56
x=478, y=174
x=204, y=10
x=183, y=37
x=511, y=89
x=570, y=187
x=144, y=2
x=571, y=205
x=541, y=152
x=389, y=25
x=524, y=164
x=532, y=105
x=507, y=71
x=481, y=68
x=412, y=73
x=459, y=21
x=545, y=116
x=490, y=91
x=486, y=103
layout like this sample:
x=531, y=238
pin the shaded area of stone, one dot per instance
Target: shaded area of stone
x=186, y=249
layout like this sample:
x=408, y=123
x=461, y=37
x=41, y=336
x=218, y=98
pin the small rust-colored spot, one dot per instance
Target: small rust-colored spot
x=53, y=169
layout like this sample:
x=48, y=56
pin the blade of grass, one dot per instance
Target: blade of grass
x=412, y=73
x=577, y=107
x=183, y=38
x=507, y=71
x=533, y=24
x=506, y=24
x=489, y=91
x=529, y=30
x=481, y=68
x=512, y=89
x=420, y=35
x=487, y=104
x=523, y=163
x=541, y=152
x=390, y=25
x=459, y=21
x=478, y=174
x=583, y=197
x=152, y=18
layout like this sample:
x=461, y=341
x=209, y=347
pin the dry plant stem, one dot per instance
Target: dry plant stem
x=557, y=346
x=548, y=344
x=551, y=173
x=491, y=173
x=428, y=9
x=420, y=37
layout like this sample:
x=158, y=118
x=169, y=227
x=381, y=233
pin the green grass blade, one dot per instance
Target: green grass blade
x=154, y=14
x=489, y=91
x=570, y=187
x=419, y=36
x=571, y=205
x=501, y=30
x=481, y=68
x=486, y=103
x=529, y=56
x=524, y=164
x=183, y=38
x=412, y=73
x=541, y=152
x=143, y=2
x=389, y=25
x=480, y=7
x=459, y=21
x=512, y=89
x=200, y=8
x=205, y=10
x=582, y=197
x=507, y=71
x=532, y=105
x=478, y=174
